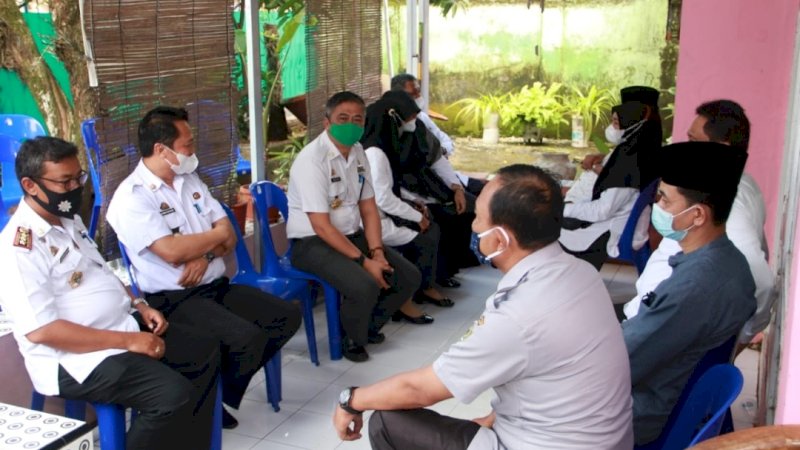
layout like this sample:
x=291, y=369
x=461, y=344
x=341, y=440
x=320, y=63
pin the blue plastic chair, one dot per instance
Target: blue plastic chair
x=10, y=190
x=272, y=369
x=243, y=166
x=283, y=287
x=267, y=194
x=723, y=354
x=111, y=419
x=702, y=415
x=626, y=252
x=93, y=160
x=20, y=127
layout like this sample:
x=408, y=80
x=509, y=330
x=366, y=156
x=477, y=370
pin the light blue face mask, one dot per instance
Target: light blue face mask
x=662, y=222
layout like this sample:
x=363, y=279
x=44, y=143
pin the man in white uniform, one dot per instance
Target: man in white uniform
x=330, y=196
x=725, y=122
x=72, y=317
x=175, y=233
x=548, y=343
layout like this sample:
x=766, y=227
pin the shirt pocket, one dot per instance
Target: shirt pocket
x=337, y=191
x=175, y=222
x=67, y=269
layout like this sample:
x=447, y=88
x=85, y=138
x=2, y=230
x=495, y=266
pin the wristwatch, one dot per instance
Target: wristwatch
x=138, y=301
x=344, y=400
x=360, y=259
x=209, y=256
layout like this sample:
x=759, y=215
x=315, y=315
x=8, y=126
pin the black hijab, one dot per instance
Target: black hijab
x=631, y=163
x=406, y=152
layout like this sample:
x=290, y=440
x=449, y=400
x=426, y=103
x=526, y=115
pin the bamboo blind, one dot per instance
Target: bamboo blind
x=344, y=51
x=162, y=52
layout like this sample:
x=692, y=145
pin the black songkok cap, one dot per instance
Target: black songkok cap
x=644, y=94
x=707, y=167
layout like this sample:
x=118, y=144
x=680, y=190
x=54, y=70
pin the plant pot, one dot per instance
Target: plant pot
x=247, y=198
x=579, y=139
x=532, y=134
x=491, y=129
x=273, y=215
x=240, y=213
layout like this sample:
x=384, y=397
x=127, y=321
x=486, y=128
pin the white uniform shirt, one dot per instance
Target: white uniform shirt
x=608, y=213
x=583, y=188
x=745, y=228
x=322, y=181
x=388, y=203
x=549, y=344
x=444, y=139
x=144, y=209
x=62, y=276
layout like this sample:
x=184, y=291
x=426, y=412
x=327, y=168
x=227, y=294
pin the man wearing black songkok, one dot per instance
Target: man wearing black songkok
x=711, y=292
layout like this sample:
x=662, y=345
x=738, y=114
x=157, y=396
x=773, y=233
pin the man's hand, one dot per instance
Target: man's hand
x=153, y=318
x=342, y=420
x=376, y=266
x=193, y=272
x=424, y=224
x=486, y=421
x=590, y=160
x=461, y=201
x=147, y=344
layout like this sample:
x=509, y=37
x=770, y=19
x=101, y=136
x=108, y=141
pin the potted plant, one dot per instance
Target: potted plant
x=482, y=112
x=533, y=108
x=588, y=108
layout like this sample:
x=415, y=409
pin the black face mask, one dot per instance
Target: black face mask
x=61, y=204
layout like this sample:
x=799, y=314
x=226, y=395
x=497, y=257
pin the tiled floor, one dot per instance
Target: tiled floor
x=309, y=393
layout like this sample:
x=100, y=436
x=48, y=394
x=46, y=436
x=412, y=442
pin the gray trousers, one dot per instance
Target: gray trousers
x=419, y=429
x=365, y=307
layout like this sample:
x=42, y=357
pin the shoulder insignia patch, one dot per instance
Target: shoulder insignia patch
x=53, y=250
x=22, y=238
x=164, y=206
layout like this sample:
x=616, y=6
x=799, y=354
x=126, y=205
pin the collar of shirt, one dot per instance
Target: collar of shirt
x=144, y=177
x=519, y=273
x=680, y=257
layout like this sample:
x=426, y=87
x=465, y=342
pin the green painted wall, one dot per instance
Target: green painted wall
x=493, y=48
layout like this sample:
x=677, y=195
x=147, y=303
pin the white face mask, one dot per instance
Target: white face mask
x=409, y=127
x=420, y=103
x=614, y=135
x=186, y=164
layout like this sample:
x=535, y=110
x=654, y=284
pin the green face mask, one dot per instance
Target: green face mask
x=346, y=134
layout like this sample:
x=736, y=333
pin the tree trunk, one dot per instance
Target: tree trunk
x=69, y=49
x=18, y=52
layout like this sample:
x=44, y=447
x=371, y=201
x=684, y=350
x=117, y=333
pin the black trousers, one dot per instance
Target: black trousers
x=249, y=324
x=456, y=232
x=174, y=396
x=596, y=254
x=421, y=429
x=365, y=307
x=423, y=251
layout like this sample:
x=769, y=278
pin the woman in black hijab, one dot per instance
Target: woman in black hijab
x=406, y=226
x=592, y=228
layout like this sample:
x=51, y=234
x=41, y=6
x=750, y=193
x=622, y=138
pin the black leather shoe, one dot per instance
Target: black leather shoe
x=355, y=353
x=376, y=338
x=228, y=421
x=423, y=319
x=420, y=298
x=449, y=283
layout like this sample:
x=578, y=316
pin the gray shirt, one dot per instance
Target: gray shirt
x=549, y=344
x=705, y=301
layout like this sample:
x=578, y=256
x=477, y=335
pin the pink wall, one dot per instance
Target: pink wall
x=744, y=50
x=741, y=50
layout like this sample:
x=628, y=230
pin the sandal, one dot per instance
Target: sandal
x=421, y=298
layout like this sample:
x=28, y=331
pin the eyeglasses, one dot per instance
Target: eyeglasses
x=70, y=183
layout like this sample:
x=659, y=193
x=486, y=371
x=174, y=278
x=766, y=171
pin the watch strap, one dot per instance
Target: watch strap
x=346, y=406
